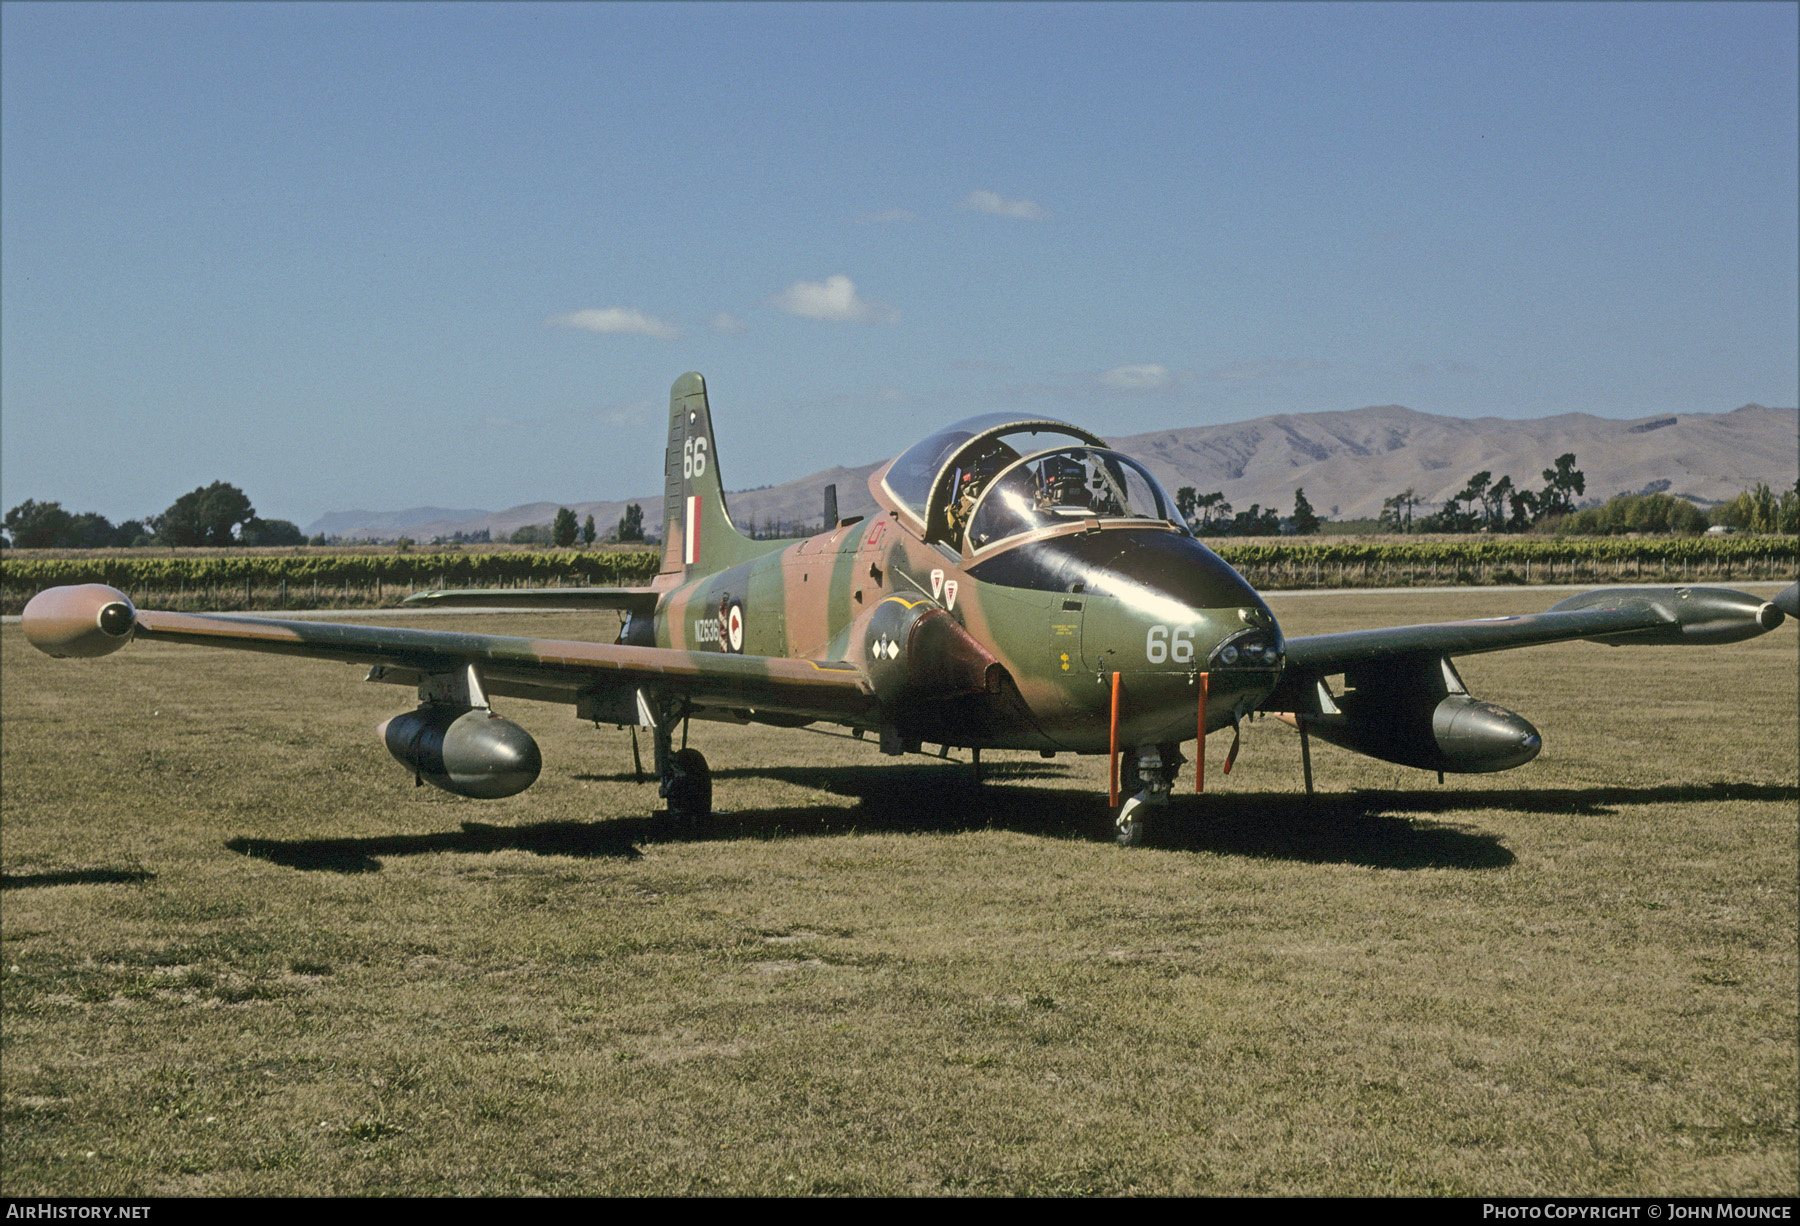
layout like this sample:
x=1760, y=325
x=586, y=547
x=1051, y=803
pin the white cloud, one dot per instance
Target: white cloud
x=617, y=319
x=1146, y=378
x=726, y=322
x=993, y=203
x=833, y=299
x=888, y=215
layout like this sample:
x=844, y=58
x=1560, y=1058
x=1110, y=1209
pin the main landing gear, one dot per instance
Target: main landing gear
x=1148, y=774
x=688, y=787
x=686, y=780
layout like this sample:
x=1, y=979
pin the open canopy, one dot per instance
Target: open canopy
x=931, y=477
x=1063, y=486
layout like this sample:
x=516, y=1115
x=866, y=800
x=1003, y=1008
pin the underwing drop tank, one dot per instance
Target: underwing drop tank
x=468, y=751
x=1457, y=733
x=1417, y=712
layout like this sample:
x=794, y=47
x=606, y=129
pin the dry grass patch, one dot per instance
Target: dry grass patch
x=242, y=954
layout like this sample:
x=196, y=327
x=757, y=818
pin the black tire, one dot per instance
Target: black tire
x=1131, y=780
x=690, y=787
x=1131, y=834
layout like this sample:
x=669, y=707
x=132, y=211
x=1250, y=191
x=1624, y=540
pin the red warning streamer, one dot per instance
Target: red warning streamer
x=1113, y=772
x=1200, y=749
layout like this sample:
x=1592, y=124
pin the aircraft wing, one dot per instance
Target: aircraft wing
x=544, y=669
x=600, y=677
x=1614, y=616
x=626, y=599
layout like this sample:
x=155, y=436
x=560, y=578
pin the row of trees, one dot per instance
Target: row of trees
x=216, y=514
x=1211, y=515
x=1487, y=505
x=221, y=514
x=563, y=532
x=1759, y=510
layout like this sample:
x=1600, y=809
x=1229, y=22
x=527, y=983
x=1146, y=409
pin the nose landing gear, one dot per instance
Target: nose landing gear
x=1148, y=774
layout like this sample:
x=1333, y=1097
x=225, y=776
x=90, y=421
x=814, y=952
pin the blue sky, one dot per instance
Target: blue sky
x=383, y=256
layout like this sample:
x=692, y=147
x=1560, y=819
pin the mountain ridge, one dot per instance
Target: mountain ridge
x=1347, y=460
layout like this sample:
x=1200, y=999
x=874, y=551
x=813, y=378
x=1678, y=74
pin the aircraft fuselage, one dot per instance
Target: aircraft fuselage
x=1060, y=611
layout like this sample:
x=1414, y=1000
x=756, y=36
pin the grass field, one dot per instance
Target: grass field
x=243, y=954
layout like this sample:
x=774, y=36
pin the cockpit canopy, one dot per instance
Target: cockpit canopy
x=1067, y=485
x=999, y=475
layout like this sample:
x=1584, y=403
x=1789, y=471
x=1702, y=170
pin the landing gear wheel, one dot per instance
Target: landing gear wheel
x=689, y=790
x=1128, y=829
x=1146, y=775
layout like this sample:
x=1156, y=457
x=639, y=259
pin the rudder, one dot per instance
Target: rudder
x=698, y=535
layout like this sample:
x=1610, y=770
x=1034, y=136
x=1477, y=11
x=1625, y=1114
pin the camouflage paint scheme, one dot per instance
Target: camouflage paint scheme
x=954, y=656
x=921, y=625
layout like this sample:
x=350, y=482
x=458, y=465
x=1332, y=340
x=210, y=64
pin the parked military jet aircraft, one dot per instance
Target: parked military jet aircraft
x=1022, y=587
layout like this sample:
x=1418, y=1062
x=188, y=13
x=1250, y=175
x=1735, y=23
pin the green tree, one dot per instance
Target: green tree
x=531, y=534
x=1524, y=506
x=1647, y=513
x=1766, y=508
x=1759, y=510
x=1256, y=522
x=1187, y=502
x=1494, y=504
x=1213, y=509
x=271, y=532
x=587, y=531
x=206, y=516
x=631, y=524
x=37, y=525
x=563, y=529
x=1396, y=512
x=1463, y=512
x=1305, y=521
x=1562, y=485
x=89, y=530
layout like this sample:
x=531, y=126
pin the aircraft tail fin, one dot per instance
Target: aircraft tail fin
x=698, y=535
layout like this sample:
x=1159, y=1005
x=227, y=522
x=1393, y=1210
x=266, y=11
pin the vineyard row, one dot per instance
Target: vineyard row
x=362, y=581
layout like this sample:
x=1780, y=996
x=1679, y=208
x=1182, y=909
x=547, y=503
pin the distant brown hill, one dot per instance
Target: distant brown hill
x=1356, y=459
x=1350, y=461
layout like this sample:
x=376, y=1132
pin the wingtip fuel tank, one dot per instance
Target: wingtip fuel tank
x=1694, y=615
x=85, y=620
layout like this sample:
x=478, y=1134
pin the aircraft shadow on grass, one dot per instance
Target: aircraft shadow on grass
x=78, y=876
x=1376, y=829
